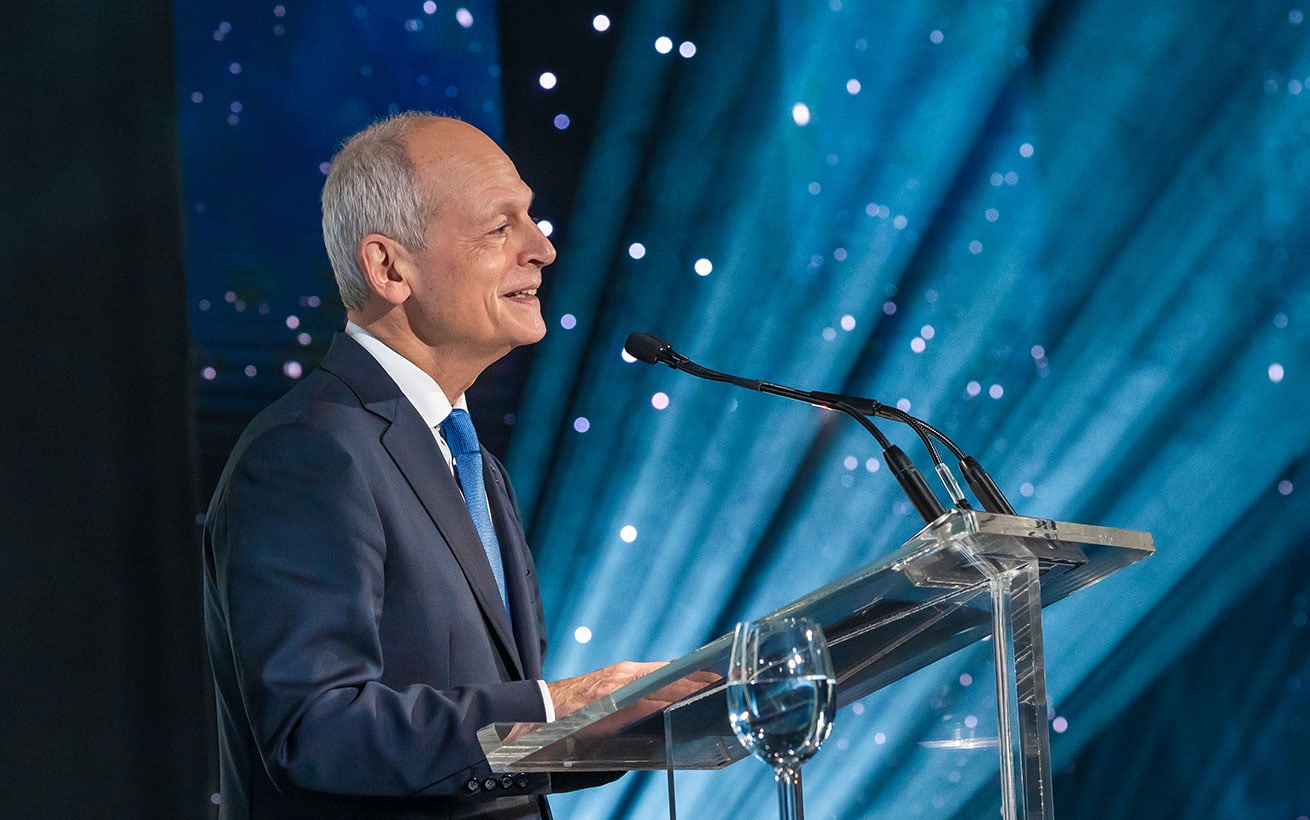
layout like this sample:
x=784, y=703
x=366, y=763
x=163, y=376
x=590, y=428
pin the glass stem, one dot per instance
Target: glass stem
x=790, y=803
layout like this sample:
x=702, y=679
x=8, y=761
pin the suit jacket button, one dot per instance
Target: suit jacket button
x=507, y=781
x=489, y=783
x=521, y=780
x=472, y=785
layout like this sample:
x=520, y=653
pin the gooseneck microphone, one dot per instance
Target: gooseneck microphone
x=653, y=350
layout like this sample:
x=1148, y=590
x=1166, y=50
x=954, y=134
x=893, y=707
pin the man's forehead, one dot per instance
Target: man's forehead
x=462, y=164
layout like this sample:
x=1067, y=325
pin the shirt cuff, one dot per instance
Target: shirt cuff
x=547, y=702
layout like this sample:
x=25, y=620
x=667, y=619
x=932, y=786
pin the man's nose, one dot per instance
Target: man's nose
x=542, y=251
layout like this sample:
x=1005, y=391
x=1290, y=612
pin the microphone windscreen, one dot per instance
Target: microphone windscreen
x=646, y=348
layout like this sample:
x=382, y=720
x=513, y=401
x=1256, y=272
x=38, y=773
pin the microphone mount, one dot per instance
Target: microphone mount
x=652, y=349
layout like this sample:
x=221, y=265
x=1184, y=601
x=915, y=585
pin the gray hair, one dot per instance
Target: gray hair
x=372, y=187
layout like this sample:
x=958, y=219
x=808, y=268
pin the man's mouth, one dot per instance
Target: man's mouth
x=521, y=293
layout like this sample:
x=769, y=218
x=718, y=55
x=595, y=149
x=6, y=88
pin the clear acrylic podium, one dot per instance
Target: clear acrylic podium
x=965, y=576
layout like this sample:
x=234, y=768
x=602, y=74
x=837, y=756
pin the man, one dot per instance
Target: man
x=370, y=600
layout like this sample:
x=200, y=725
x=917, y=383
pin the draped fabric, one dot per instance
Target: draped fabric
x=104, y=710
x=1065, y=233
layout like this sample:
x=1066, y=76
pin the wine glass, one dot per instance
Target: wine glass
x=781, y=698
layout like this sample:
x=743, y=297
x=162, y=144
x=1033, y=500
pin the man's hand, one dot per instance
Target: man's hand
x=572, y=694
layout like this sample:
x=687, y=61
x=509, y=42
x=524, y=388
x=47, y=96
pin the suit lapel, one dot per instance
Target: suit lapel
x=414, y=450
x=520, y=579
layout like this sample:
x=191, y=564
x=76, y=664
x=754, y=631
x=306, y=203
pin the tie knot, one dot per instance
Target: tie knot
x=460, y=435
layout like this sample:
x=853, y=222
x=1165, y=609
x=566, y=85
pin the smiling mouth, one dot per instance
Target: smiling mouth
x=518, y=294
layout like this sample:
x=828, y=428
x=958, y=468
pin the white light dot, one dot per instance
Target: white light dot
x=568, y=321
x=851, y=463
x=1026, y=490
x=464, y=17
x=1284, y=487
x=660, y=401
x=582, y=634
x=209, y=374
x=800, y=113
x=561, y=121
x=889, y=308
x=936, y=36
x=547, y=80
x=1038, y=352
x=848, y=322
x=234, y=68
x=829, y=334
x=1295, y=17
x=992, y=214
x=971, y=722
x=857, y=709
x=1026, y=150
x=663, y=45
x=636, y=250
x=324, y=167
x=879, y=738
x=918, y=345
x=293, y=369
x=872, y=465
x=429, y=7
x=966, y=679
x=1275, y=373
x=997, y=180
x=703, y=267
x=293, y=322
x=903, y=405
x=839, y=254
x=627, y=357
x=546, y=227
x=900, y=222
x=582, y=424
x=303, y=339
x=852, y=86
x=975, y=247
x=973, y=388
x=814, y=188
x=927, y=331
x=250, y=371
x=628, y=534
x=600, y=22
x=1060, y=725
x=996, y=391
x=197, y=97
x=1011, y=178
x=687, y=49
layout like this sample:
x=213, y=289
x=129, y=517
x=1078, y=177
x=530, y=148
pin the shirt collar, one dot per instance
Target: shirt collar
x=421, y=389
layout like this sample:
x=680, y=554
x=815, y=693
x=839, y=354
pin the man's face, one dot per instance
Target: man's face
x=474, y=288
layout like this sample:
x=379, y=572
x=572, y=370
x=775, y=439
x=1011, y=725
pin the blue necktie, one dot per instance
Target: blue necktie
x=463, y=442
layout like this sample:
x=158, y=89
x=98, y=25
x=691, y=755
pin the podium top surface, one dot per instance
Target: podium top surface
x=883, y=621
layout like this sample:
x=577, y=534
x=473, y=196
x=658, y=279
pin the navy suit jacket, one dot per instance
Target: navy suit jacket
x=356, y=635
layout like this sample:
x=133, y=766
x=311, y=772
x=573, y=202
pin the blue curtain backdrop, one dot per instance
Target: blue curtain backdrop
x=1068, y=234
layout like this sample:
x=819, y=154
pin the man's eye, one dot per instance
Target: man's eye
x=501, y=229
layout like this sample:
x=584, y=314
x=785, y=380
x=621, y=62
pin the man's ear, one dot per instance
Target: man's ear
x=379, y=257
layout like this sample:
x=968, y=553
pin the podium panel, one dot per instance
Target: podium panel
x=967, y=575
